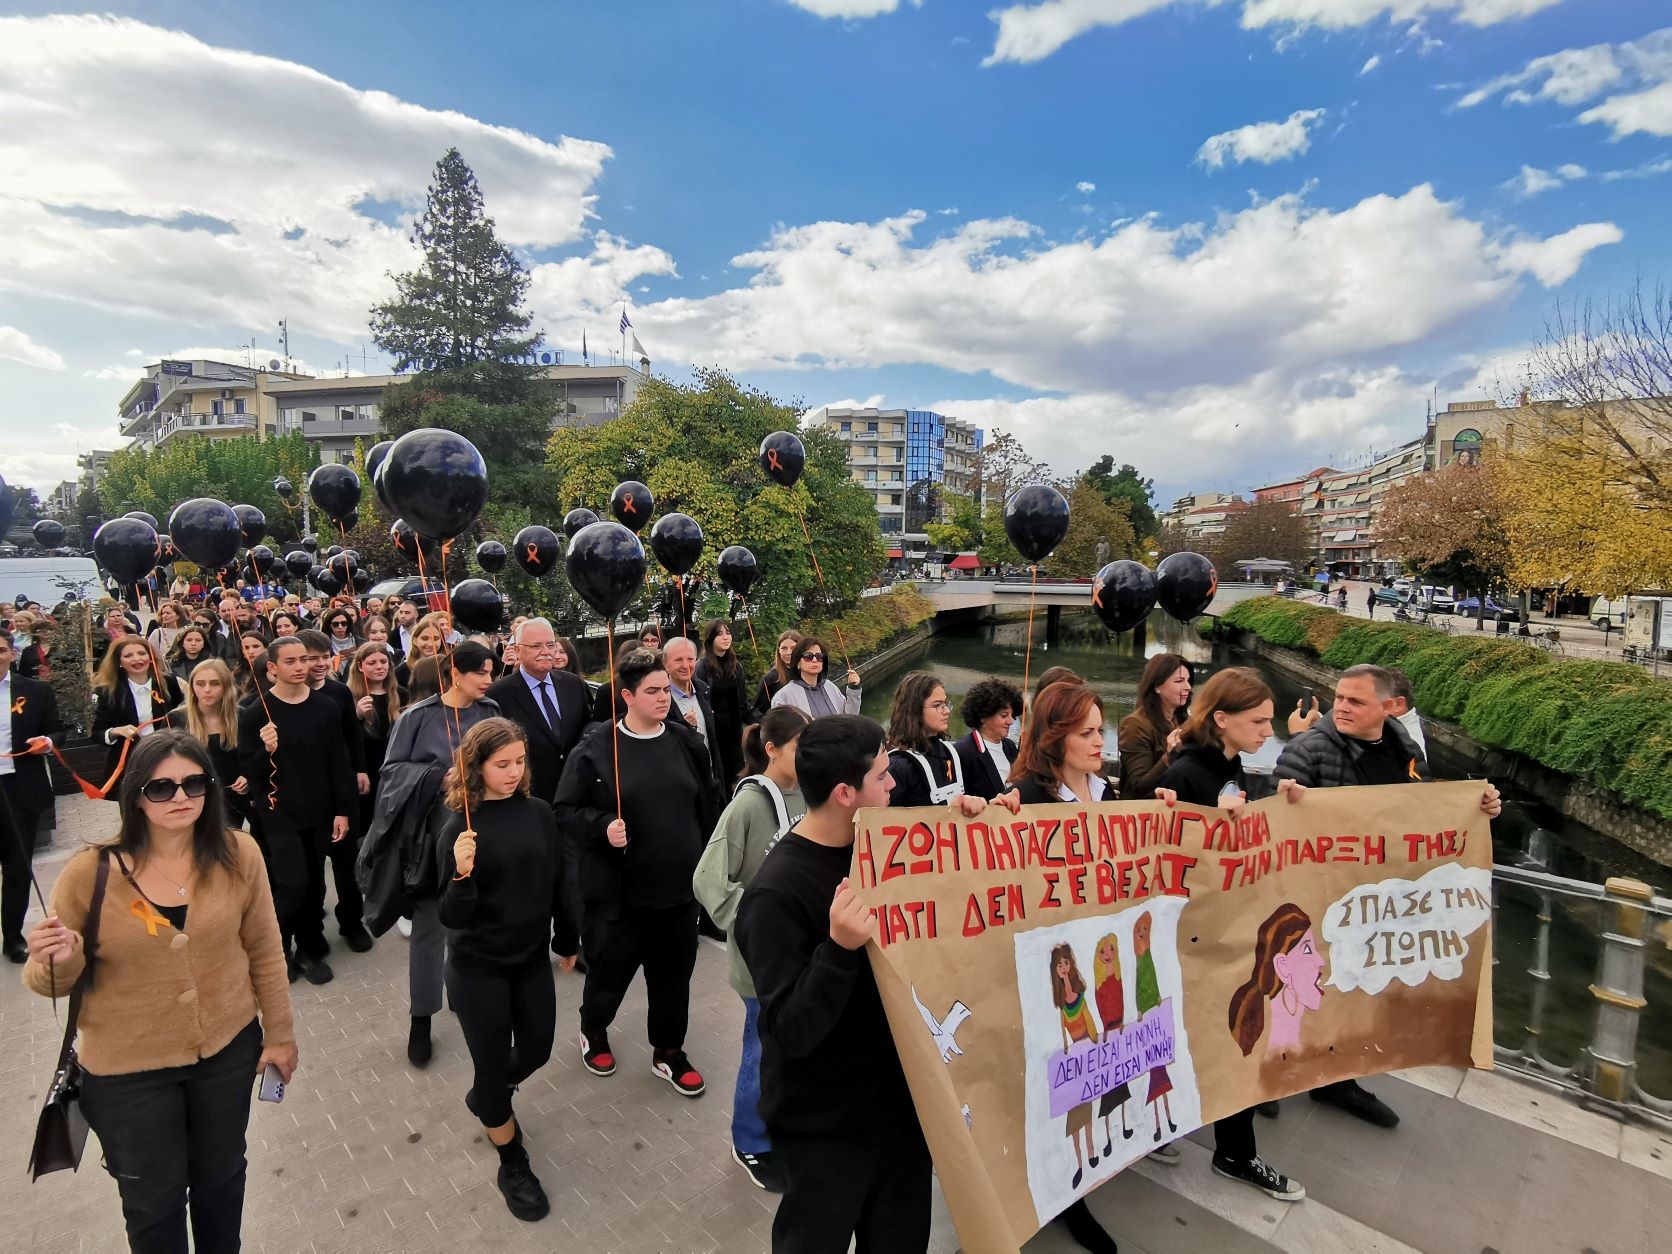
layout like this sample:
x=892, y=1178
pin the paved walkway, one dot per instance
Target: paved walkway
x=369, y=1156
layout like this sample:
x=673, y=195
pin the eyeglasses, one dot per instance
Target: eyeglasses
x=938, y=705
x=158, y=791
x=812, y=657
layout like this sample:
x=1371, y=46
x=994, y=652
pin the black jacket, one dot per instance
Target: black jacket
x=1325, y=758
x=981, y=775
x=117, y=710
x=1198, y=773
x=729, y=697
x=605, y=710
x=34, y=713
x=585, y=806
x=397, y=860
x=547, y=749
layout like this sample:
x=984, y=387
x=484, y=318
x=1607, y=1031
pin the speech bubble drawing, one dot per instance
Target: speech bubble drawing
x=1406, y=930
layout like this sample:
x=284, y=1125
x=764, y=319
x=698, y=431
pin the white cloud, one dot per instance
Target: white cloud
x=850, y=8
x=1531, y=180
x=1370, y=64
x=1262, y=142
x=1648, y=170
x=1636, y=75
x=814, y=416
x=1085, y=189
x=1279, y=289
x=16, y=346
x=136, y=162
x=41, y=463
x=1032, y=32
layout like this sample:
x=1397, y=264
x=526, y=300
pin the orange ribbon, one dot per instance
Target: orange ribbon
x=147, y=914
x=18, y=704
x=772, y=459
x=1097, y=593
x=627, y=506
x=533, y=552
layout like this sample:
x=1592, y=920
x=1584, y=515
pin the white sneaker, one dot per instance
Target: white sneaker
x=403, y=925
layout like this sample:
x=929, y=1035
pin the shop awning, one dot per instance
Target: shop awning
x=964, y=561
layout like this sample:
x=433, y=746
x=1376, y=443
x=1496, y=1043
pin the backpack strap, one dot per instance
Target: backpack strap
x=775, y=794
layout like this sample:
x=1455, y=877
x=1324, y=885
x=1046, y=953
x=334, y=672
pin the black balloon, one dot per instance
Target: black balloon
x=327, y=582
x=143, y=517
x=436, y=480
x=410, y=545
x=284, y=487
x=252, y=523
x=1185, y=584
x=333, y=550
x=310, y=543
x=263, y=560
x=1036, y=520
x=351, y=520
x=490, y=556
x=335, y=488
x=783, y=457
x=48, y=533
x=126, y=548
x=363, y=581
x=343, y=567
x=605, y=563
x=374, y=457
x=476, y=606
x=314, y=572
x=738, y=569
x=205, y=531
x=166, y=552
x=575, y=519
x=298, y=563
x=631, y=503
x=676, y=539
x=1123, y=594
x=536, y=549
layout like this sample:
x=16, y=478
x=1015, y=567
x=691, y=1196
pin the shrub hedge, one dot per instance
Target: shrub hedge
x=1607, y=723
x=873, y=623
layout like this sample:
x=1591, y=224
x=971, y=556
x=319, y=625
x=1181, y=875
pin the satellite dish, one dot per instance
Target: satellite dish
x=274, y=364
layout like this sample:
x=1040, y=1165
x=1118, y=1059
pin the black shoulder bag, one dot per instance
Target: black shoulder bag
x=61, y=1133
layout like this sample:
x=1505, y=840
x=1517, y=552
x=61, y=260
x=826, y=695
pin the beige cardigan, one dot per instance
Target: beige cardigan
x=173, y=998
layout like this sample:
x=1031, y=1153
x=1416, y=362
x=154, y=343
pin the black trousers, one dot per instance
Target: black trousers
x=1233, y=1137
x=175, y=1137
x=351, y=907
x=508, y=1016
x=17, y=846
x=296, y=868
x=664, y=943
x=870, y=1186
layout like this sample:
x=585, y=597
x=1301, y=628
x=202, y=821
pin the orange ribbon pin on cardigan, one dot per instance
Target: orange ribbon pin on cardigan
x=147, y=914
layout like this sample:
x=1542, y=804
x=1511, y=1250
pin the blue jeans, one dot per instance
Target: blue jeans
x=748, y=1129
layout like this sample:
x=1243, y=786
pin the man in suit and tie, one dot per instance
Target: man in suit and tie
x=30, y=718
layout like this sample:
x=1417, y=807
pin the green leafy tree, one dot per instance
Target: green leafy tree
x=1126, y=483
x=238, y=471
x=1097, y=528
x=695, y=446
x=961, y=529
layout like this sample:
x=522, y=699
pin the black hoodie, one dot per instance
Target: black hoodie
x=1199, y=772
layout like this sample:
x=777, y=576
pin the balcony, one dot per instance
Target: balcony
x=203, y=424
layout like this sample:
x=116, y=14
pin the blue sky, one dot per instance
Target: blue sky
x=1024, y=219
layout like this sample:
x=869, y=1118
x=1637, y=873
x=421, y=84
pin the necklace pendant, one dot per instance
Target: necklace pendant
x=182, y=890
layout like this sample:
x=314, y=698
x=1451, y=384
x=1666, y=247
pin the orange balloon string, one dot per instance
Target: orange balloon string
x=1027, y=657
x=615, y=723
x=452, y=669
x=255, y=682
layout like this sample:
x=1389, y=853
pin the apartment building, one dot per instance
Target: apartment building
x=200, y=398
x=905, y=458
x=1341, y=507
x=1202, y=513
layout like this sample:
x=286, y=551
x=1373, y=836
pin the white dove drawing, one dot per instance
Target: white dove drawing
x=944, y=1031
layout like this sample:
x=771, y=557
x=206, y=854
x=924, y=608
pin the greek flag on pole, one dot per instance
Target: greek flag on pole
x=625, y=320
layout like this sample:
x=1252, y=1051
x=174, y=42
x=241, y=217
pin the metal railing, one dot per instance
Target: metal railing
x=1593, y=1021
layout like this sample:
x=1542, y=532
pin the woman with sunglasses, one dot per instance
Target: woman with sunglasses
x=809, y=691
x=190, y=1002
x=338, y=626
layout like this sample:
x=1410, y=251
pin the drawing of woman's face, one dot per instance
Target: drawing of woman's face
x=1140, y=935
x=1062, y=969
x=1107, y=953
x=1301, y=970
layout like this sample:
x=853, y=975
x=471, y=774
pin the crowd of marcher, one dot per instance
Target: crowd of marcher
x=482, y=798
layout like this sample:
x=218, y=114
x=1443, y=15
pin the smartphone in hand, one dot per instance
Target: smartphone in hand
x=272, y=1087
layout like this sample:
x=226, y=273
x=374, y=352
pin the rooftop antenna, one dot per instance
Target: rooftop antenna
x=284, y=340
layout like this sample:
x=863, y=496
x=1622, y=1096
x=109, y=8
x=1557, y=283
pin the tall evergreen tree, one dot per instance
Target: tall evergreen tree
x=459, y=319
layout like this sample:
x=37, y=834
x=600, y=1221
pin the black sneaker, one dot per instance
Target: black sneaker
x=1358, y=1101
x=524, y=1197
x=1268, y=1109
x=674, y=1067
x=315, y=970
x=418, y=1046
x=357, y=939
x=760, y=1168
x=1262, y=1176
x=595, y=1054
x=16, y=950
x=292, y=968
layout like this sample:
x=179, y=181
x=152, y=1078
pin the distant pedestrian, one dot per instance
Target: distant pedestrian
x=1370, y=601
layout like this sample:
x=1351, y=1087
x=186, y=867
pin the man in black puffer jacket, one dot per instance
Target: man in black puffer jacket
x=1360, y=742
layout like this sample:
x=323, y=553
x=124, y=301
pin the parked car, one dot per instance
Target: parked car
x=1468, y=605
x=1392, y=596
x=1608, y=610
x=1433, y=598
x=412, y=587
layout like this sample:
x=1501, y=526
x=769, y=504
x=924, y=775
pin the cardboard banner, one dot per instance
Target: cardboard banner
x=1071, y=987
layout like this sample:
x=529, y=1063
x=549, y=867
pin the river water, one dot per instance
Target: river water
x=1528, y=833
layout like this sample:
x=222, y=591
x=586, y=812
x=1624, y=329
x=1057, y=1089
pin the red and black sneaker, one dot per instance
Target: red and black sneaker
x=674, y=1067
x=595, y=1054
